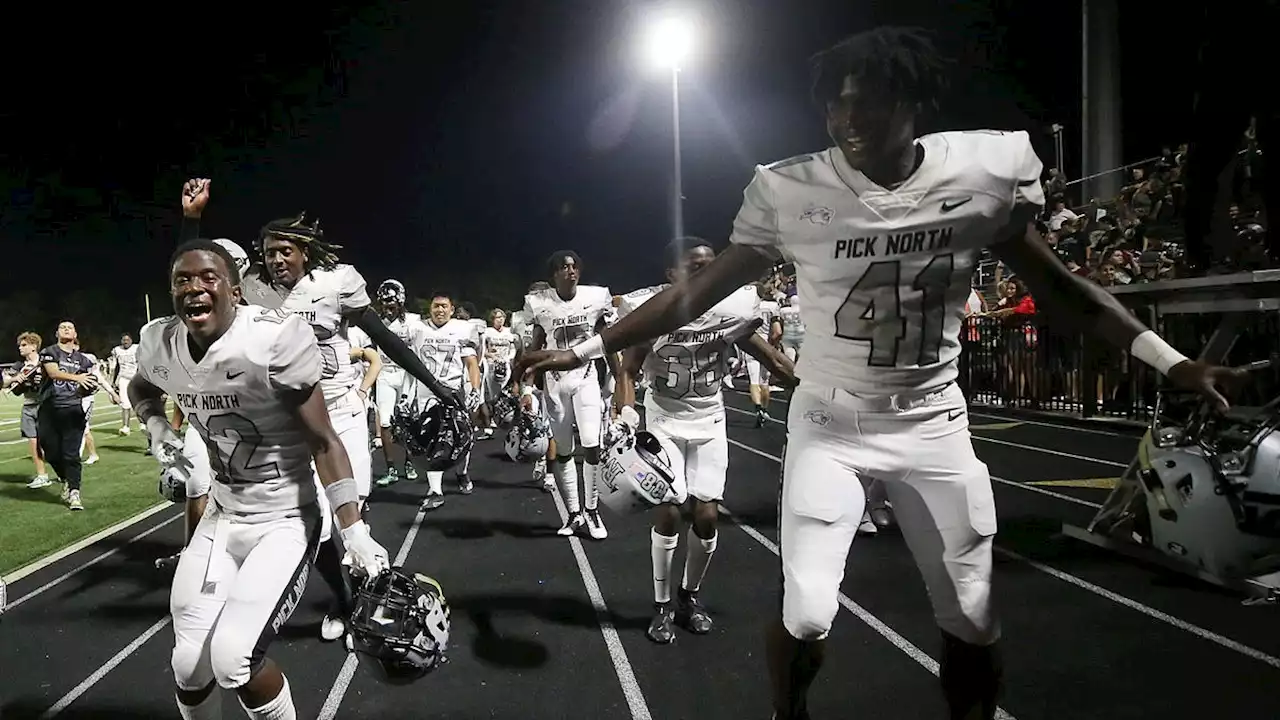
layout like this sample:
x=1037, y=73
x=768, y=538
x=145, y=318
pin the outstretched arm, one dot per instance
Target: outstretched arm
x=391, y=344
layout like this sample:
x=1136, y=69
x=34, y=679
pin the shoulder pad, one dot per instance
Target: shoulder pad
x=794, y=160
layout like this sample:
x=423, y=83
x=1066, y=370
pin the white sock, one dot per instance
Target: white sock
x=466, y=464
x=663, y=549
x=589, y=489
x=209, y=709
x=697, y=558
x=435, y=482
x=82, y=444
x=566, y=472
x=280, y=708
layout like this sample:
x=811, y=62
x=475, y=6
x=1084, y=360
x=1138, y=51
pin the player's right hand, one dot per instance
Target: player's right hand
x=536, y=362
x=166, y=445
x=195, y=195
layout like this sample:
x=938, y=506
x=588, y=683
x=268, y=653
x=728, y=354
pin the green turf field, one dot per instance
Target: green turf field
x=35, y=523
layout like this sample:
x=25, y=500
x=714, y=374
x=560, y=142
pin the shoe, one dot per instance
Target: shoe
x=660, y=630
x=410, y=472
x=390, y=478
x=465, y=486
x=882, y=516
x=332, y=628
x=690, y=614
x=761, y=418
x=595, y=525
x=124, y=430
x=92, y=459
x=168, y=563
x=73, y=500
x=548, y=484
x=867, y=526
x=573, y=525
x=39, y=481
x=433, y=501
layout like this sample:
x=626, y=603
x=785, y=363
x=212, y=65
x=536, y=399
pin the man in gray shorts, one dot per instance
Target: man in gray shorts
x=24, y=378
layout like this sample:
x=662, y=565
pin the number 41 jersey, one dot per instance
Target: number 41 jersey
x=688, y=364
x=883, y=275
x=258, y=450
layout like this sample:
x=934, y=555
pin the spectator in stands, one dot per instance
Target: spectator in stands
x=1061, y=214
x=1056, y=184
x=1016, y=310
x=24, y=379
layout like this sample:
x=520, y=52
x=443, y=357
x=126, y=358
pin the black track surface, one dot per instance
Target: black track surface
x=528, y=639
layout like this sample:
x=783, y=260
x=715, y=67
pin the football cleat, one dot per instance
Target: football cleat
x=660, y=627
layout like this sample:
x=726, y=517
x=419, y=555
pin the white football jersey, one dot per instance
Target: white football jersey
x=411, y=329
x=126, y=360
x=522, y=327
x=324, y=298
x=258, y=449
x=768, y=313
x=443, y=348
x=883, y=275
x=358, y=338
x=568, y=322
x=792, y=323
x=687, y=365
x=500, y=345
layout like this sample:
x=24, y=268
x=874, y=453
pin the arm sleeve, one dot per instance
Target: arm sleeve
x=1025, y=306
x=352, y=293
x=757, y=222
x=294, y=362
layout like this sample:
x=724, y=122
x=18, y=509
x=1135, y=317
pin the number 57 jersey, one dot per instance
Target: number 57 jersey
x=259, y=454
x=687, y=365
x=883, y=275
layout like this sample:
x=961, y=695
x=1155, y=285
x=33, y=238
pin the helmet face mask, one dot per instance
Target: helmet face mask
x=399, y=628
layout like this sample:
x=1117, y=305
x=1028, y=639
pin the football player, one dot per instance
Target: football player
x=792, y=328
x=770, y=331
x=449, y=349
x=499, y=350
x=393, y=382
x=302, y=268
x=250, y=380
x=522, y=327
x=564, y=315
x=100, y=377
x=884, y=229
x=123, y=366
x=684, y=409
x=24, y=379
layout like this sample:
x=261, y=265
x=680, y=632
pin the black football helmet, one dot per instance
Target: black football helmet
x=437, y=438
x=399, y=628
x=504, y=410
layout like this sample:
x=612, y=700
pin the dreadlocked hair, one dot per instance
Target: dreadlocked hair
x=901, y=63
x=306, y=234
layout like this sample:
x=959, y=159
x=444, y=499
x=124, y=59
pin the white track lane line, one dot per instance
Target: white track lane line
x=334, y=700
x=101, y=672
x=1104, y=593
x=85, y=565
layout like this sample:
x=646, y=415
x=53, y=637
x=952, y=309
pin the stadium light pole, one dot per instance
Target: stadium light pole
x=668, y=43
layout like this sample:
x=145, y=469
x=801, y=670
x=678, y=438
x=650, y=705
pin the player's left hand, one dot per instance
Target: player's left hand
x=363, y=552
x=539, y=361
x=474, y=399
x=1207, y=380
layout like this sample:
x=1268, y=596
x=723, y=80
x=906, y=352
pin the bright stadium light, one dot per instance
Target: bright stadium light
x=669, y=41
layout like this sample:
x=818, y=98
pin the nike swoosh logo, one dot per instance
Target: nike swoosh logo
x=954, y=415
x=948, y=207
x=316, y=300
x=233, y=376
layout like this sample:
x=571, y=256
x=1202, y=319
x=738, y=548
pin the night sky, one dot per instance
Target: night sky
x=457, y=148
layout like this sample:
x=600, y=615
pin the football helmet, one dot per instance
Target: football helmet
x=504, y=410
x=237, y=253
x=173, y=484
x=392, y=291
x=637, y=473
x=437, y=438
x=399, y=628
x=529, y=437
x=501, y=372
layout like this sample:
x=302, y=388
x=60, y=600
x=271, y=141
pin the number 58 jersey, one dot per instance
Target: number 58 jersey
x=259, y=453
x=687, y=365
x=883, y=275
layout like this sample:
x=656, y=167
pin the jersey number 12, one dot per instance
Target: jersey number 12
x=873, y=312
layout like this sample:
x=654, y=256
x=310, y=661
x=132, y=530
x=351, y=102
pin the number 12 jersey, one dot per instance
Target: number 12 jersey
x=258, y=449
x=883, y=274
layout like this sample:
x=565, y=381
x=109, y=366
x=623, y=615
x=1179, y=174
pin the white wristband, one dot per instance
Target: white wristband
x=1151, y=349
x=342, y=492
x=590, y=349
x=156, y=425
x=526, y=391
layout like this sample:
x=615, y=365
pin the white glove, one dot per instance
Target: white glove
x=627, y=423
x=628, y=416
x=166, y=445
x=474, y=399
x=363, y=552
